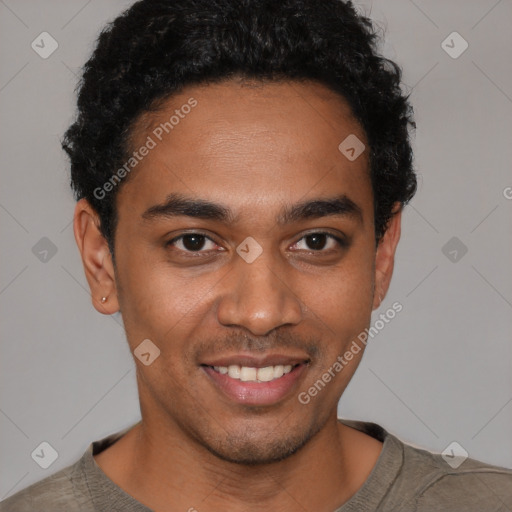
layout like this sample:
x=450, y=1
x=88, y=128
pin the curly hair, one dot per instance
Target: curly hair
x=157, y=47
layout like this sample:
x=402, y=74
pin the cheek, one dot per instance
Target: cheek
x=344, y=296
x=159, y=302
x=341, y=310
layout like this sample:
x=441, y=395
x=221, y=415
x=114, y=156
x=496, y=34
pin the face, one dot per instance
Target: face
x=245, y=251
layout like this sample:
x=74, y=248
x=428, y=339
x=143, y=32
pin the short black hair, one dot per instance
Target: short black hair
x=157, y=47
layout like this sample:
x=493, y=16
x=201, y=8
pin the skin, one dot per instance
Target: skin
x=253, y=148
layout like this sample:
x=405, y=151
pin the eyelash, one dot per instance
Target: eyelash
x=340, y=242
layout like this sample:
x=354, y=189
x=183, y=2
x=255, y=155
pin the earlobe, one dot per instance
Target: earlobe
x=96, y=258
x=385, y=256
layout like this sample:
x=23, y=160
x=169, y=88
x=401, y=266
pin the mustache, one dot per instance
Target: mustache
x=243, y=342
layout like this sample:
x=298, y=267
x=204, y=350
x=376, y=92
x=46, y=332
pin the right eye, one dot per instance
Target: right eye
x=192, y=243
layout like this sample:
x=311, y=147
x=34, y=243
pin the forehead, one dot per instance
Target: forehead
x=246, y=140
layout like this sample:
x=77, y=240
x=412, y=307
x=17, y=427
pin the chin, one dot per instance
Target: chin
x=251, y=448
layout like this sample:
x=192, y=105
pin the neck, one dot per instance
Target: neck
x=165, y=471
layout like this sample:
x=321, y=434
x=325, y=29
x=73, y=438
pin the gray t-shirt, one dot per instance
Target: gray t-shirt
x=404, y=479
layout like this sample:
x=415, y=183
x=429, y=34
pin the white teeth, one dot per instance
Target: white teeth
x=234, y=371
x=250, y=374
x=266, y=374
x=278, y=371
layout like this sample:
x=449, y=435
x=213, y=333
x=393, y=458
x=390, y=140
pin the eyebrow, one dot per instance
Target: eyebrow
x=178, y=205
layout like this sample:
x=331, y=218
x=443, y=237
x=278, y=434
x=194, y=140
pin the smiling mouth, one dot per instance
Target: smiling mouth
x=261, y=384
x=252, y=374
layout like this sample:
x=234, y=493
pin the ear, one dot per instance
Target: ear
x=96, y=258
x=385, y=256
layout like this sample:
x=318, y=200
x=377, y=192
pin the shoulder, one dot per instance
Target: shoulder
x=79, y=487
x=408, y=478
x=61, y=492
x=430, y=481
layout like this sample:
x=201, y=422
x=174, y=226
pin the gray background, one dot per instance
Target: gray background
x=440, y=371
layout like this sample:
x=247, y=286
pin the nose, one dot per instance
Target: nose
x=257, y=297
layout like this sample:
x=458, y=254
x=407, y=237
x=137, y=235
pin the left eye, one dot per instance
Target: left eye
x=192, y=242
x=319, y=242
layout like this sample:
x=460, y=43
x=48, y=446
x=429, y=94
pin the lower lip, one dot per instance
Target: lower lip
x=256, y=393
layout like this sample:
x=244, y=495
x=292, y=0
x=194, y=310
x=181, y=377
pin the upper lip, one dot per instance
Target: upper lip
x=253, y=361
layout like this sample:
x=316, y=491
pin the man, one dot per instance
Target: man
x=241, y=169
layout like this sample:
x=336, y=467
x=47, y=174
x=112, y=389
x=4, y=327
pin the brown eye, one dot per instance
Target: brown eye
x=319, y=242
x=192, y=242
x=316, y=241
